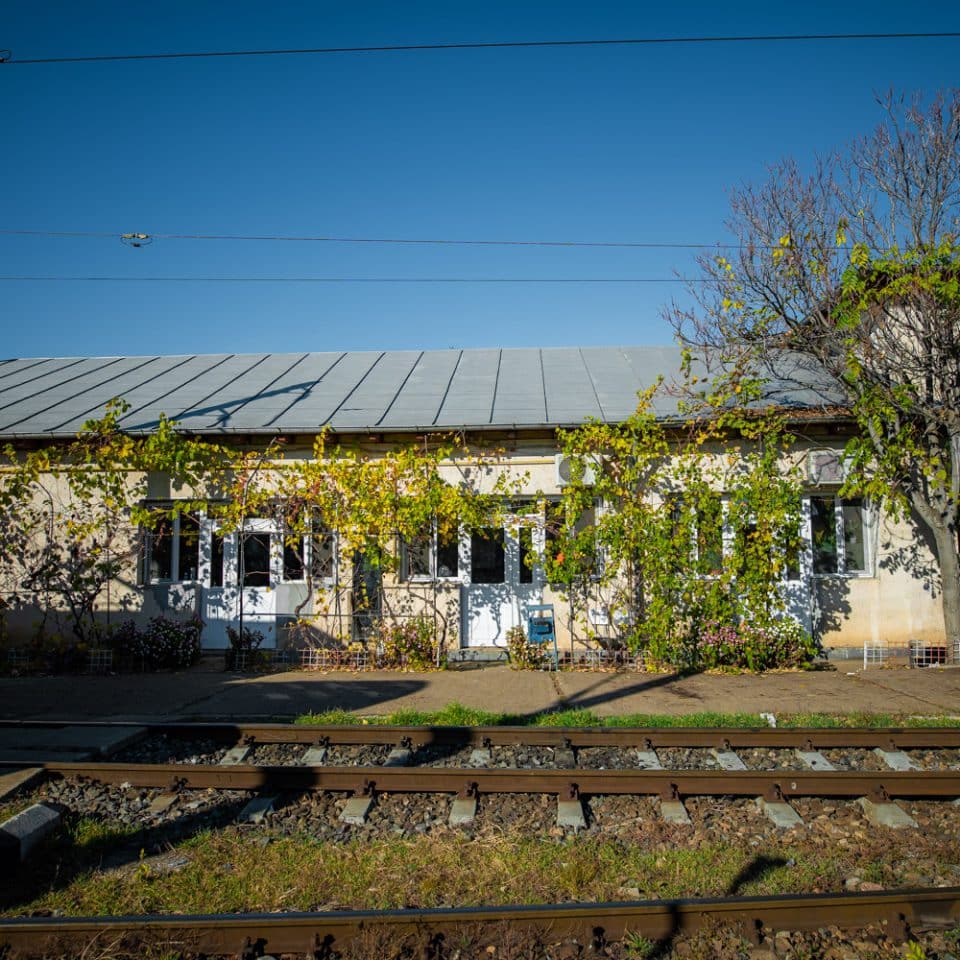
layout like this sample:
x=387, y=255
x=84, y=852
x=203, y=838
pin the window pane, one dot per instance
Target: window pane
x=216, y=560
x=293, y=559
x=553, y=524
x=486, y=556
x=855, y=554
x=791, y=542
x=710, y=537
x=746, y=547
x=189, y=547
x=160, y=541
x=525, y=538
x=416, y=556
x=823, y=523
x=448, y=560
x=256, y=559
x=321, y=556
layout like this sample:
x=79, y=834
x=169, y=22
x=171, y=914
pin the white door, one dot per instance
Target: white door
x=253, y=556
x=499, y=582
x=796, y=587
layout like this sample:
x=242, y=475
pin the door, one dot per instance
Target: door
x=500, y=582
x=239, y=571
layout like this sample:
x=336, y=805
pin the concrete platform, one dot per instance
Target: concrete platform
x=65, y=744
x=205, y=694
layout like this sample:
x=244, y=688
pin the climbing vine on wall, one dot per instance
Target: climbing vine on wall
x=667, y=534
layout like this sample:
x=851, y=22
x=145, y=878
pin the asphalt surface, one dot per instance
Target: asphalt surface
x=207, y=692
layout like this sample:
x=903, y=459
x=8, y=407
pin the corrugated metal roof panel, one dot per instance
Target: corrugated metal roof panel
x=134, y=387
x=57, y=397
x=396, y=390
x=420, y=398
x=207, y=402
x=571, y=392
x=520, y=396
x=469, y=401
x=335, y=382
x=366, y=406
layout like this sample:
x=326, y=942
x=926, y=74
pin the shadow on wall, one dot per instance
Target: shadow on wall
x=831, y=605
x=914, y=555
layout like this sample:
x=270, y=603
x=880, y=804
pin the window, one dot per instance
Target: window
x=216, y=560
x=293, y=559
x=255, y=549
x=322, y=556
x=525, y=540
x=487, y=556
x=430, y=556
x=312, y=552
x=839, y=531
x=173, y=550
x=704, y=528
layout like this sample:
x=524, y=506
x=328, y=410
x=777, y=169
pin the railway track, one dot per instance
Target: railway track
x=407, y=763
x=900, y=913
x=225, y=767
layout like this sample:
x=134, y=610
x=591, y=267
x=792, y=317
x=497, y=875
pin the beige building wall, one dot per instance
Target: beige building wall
x=895, y=602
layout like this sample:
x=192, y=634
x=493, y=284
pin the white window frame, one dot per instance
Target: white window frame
x=306, y=548
x=867, y=517
x=433, y=549
x=148, y=540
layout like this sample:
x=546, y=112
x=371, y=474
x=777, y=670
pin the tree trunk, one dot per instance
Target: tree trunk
x=946, y=540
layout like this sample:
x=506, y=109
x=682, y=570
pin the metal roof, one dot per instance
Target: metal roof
x=274, y=393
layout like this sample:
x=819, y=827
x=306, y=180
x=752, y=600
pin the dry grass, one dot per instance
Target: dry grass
x=231, y=871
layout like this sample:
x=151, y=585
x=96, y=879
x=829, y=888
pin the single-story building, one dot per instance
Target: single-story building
x=855, y=592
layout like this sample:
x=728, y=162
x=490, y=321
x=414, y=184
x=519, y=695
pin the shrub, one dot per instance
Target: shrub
x=163, y=643
x=412, y=643
x=782, y=643
x=245, y=652
x=523, y=654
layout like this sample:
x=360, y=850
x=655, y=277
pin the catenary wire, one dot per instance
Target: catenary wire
x=482, y=45
x=355, y=279
x=630, y=244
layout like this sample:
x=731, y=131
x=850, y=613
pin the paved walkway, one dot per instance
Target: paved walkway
x=204, y=693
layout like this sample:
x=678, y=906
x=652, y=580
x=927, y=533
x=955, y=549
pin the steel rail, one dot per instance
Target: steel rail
x=571, y=782
x=253, y=934
x=806, y=738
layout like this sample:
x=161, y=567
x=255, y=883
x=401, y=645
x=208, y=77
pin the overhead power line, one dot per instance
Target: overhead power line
x=144, y=238
x=359, y=279
x=480, y=45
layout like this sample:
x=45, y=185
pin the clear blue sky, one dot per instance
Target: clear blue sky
x=634, y=143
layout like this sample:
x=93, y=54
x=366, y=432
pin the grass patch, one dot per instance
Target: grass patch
x=233, y=872
x=457, y=715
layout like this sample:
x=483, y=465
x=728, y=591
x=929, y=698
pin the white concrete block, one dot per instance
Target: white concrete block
x=256, y=810
x=648, y=760
x=896, y=760
x=463, y=811
x=400, y=757
x=236, y=755
x=356, y=810
x=781, y=814
x=728, y=760
x=886, y=814
x=314, y=757
x=673, y=811
x=570, y=814
x=27, y=828
x=815, y=760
